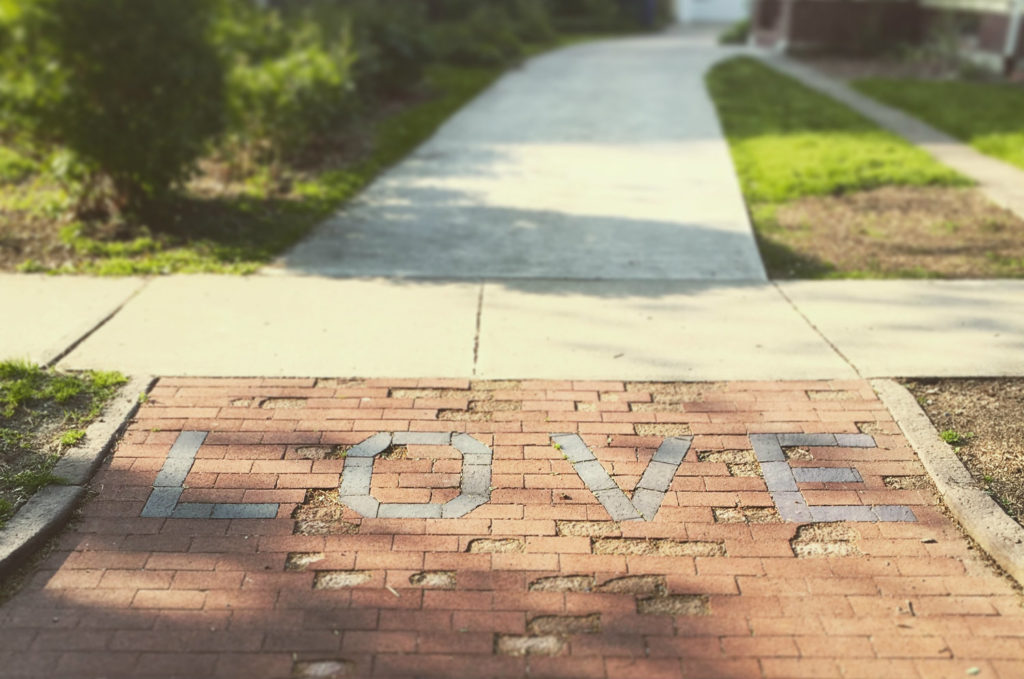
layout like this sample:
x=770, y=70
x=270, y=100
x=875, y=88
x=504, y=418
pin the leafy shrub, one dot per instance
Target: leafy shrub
x=736, y=34
x=586, y=15
x=392, y=45
x=132, y=87
x=288, y=100
x=533, y=21
x=486, y=38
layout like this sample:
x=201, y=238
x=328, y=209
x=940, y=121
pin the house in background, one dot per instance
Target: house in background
x=712, y=11
x=988, y=31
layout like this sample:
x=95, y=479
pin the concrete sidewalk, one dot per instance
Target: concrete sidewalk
x=600, y=161
x=659, y=330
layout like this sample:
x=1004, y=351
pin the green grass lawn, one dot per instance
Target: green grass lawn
x=42, y=414
x=988, y=116
x=789, y=143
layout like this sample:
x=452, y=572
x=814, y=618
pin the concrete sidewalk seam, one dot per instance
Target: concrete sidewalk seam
x=817, y=330
x=103, y=321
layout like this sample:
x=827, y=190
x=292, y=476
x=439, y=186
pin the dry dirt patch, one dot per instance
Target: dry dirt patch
x=321, y=514
x=983, y=419
x=900, y=231
x=825, y=540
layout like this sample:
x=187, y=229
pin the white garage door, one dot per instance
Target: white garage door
x=713, y=10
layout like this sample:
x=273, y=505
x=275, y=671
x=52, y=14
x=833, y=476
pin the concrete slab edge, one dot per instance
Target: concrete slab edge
x=983, y=519
x=45, y=513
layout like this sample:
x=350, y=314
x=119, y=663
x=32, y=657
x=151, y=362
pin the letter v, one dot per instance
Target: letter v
x=650, y=490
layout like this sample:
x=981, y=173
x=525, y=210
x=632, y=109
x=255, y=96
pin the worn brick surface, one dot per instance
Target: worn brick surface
x=716, y=585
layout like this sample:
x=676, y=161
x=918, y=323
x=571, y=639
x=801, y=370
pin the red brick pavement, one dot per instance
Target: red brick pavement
x=716, y=586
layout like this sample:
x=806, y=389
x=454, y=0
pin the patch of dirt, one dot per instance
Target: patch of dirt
x=799, y=454
x=323, y=669
x=831, y=395
x=394, y=452
x=517, y=645
x=565, y=624
x=870, y=428
x=662, y=429
x=824, y=540
x=300, y=561
x=321, y=514
x=495, y=546
x=320, y=452
x=676, y=604
x=738, y=462
x=987, y=417
x=340, y=579
x=283, y=403
x=433, y=579
x=746, y=515
x=463, y=416
x=659, y=547
x=563, y=583
x=907, y=482
x=587, y=529
x=910, y=231
x=672, y=395
x=495, y=385
x=647, y=585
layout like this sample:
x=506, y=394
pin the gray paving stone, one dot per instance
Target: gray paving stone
x=647, y=502
x=364, y=505
x=824, y=514
x=187, y=444
x=174, y=472
x=767, y=448
x=370, y=447
x=658, y=476
x=245, y=511
x=399, y=510
x=787, y=440
x=792, y=507
x=476, y=459
x=462, y=505
x=161, y=502
x=778, y=477
x=855, y=440
x=193, y=510
x=594, y=476
x=573, y=447
x=893, y=513
x=673, y=450
x=425, y=438
x=356, y=476
x=468, y=445
x=476, y=480
x=618, y=505
x=827, y=475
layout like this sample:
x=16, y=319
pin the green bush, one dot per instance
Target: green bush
x=533, y=21
x=392, y=45
x=586, y=15
x=132, y=87
x=287, y=101
x=486, y=38
x=736, y=34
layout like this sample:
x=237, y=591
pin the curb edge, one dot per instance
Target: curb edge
x=983, y=519
x=46, y=512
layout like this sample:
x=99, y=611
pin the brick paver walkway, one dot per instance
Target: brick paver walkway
x=744, y=570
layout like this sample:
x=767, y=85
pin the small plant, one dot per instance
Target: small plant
x=736, y=34
x=955, y=438
x=69, y=439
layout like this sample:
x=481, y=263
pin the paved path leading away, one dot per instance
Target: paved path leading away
x=599, y=161
x=776, y=530
x=1001, y=182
